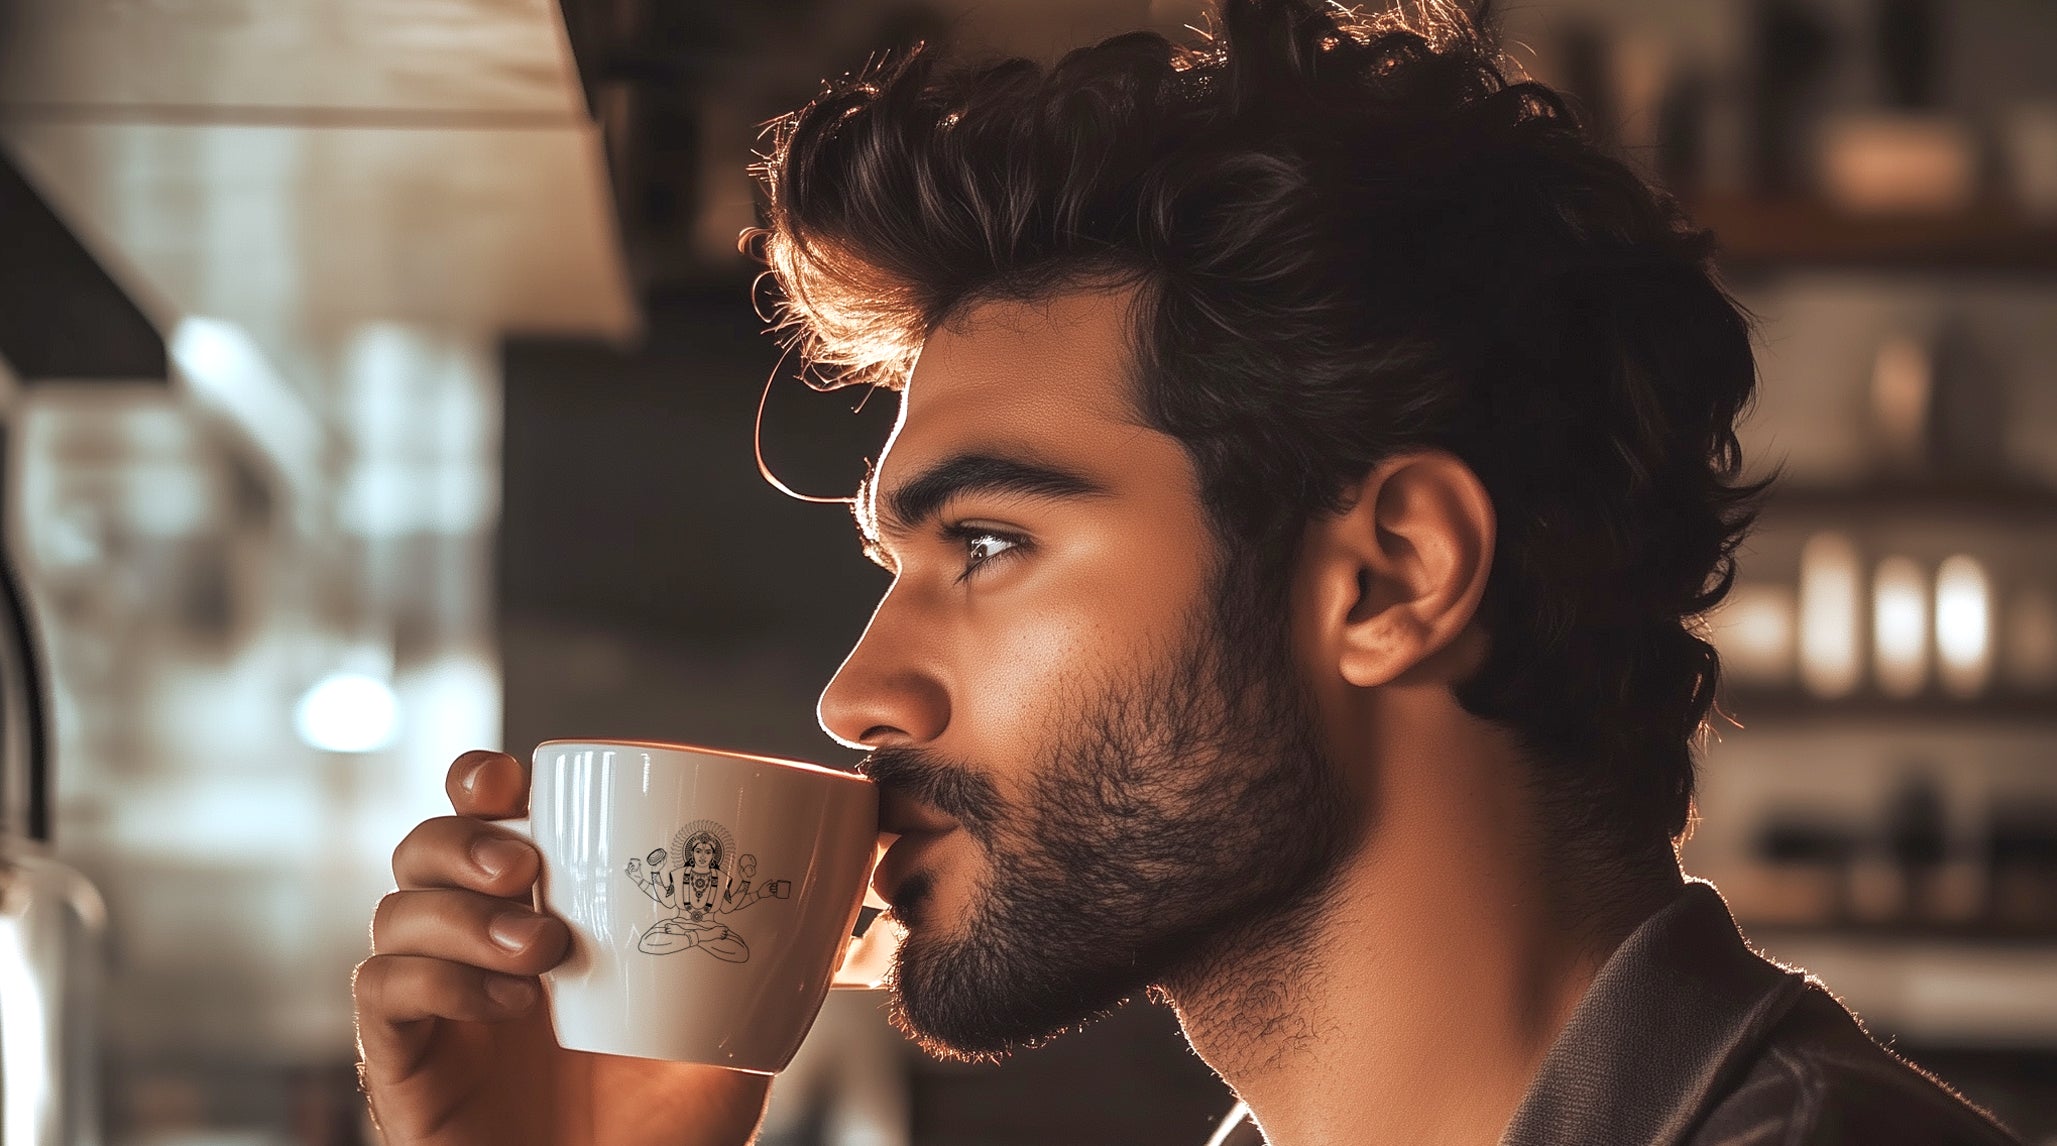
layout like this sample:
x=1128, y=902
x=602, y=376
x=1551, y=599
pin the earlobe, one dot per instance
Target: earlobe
x=1402, y=570
x=1381, y=649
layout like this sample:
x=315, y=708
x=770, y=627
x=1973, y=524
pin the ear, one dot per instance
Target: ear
x=1395, y=578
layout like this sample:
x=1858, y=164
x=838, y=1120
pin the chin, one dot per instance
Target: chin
x=966, y=994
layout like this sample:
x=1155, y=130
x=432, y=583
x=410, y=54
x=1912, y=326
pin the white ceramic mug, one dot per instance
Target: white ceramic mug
x=711, y=895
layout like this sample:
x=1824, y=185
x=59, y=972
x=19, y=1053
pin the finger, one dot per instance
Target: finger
x=458, y=851
x=397, y=993
x=465, y=927
x=489, y=785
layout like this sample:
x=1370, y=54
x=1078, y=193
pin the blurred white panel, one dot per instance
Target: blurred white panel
x=73, y=56
x=470, y=229
x=1899, y=627
x=453, y=706
x=416, y=406
x=222, y=366
x=456, y=699
x=196, y=818
x=1828, y=615
x=392, y=500
x=1964, y=625
x=1754, y=631
x=349, y=713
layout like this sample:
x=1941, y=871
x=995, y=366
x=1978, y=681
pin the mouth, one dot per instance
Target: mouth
x=915, y=829
x=901, y=876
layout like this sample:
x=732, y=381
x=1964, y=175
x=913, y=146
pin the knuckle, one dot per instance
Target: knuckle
x=382, y=916
x=438, y=837
x=412, y=842
x=368, y=981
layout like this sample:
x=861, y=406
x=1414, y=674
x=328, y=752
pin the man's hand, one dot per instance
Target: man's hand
x=456, y=1043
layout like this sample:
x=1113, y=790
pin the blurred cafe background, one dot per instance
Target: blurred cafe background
x=377, y=380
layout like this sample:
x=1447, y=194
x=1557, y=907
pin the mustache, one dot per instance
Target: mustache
x=958, y=791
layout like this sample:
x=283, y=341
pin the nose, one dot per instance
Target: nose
x=890, y=689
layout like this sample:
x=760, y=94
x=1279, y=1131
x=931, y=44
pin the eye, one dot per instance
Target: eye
x=982, y=546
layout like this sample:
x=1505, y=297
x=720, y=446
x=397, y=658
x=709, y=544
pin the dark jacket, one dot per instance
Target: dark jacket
x=1689, y=1038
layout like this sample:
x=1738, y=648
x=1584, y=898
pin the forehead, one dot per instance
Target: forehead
x=1047, y=374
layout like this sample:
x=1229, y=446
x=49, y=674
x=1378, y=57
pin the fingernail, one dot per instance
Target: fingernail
x=511, y=993
x=497, y=857
x=515, y=930
x=470, y=779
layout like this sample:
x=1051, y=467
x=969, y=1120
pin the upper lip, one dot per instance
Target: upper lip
x=902, y=815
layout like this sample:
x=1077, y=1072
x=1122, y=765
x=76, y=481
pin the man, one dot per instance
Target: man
x=1313, y=461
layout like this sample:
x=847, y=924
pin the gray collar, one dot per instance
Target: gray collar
x=1673, y=1017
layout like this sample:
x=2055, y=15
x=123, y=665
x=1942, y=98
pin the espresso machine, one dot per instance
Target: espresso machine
x=63, y=321
x=52, y=922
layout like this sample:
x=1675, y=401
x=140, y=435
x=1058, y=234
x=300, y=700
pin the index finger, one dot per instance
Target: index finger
x=487, y=784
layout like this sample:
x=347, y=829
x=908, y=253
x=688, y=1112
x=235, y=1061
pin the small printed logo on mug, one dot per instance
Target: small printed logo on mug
x=700, y=880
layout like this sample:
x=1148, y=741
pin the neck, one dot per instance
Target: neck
x=1415, y=1000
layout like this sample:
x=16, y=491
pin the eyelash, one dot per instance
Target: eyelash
x=966, y=534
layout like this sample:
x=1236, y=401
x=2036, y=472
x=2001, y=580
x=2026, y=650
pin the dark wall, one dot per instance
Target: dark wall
x=652, y=584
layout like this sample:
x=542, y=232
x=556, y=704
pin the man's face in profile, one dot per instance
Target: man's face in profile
x=1088, y=725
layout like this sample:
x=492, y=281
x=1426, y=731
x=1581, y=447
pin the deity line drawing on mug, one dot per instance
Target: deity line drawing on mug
x=699, y=878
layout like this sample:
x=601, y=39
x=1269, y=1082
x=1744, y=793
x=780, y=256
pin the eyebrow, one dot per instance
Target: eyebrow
x=904, y=509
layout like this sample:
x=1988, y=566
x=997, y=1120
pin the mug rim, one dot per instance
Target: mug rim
x=670, y=746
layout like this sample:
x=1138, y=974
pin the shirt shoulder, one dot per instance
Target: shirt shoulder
x=1820, y=1080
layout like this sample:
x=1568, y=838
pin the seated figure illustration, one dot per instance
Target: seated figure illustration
x=700, y=879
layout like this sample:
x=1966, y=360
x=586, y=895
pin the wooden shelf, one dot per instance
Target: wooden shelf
x=1751, y=705
x=1892, y=935
x=1760, y=235
x=1997, y=501
x=1931, y=990
x=1909, y=496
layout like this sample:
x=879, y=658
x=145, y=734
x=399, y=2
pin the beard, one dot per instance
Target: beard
x=1188, y=812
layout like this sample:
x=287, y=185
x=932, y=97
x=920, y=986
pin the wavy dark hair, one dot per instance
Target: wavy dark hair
x=1352, y=235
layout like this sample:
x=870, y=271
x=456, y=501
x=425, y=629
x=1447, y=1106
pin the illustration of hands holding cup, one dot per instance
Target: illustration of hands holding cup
x=698, y=878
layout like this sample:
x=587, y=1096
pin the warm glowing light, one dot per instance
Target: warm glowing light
x=1829, y=615
x=1964, y=624
x=1754, y=631
x=348, y=712
x=1899, y=627
x=28, y=1107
